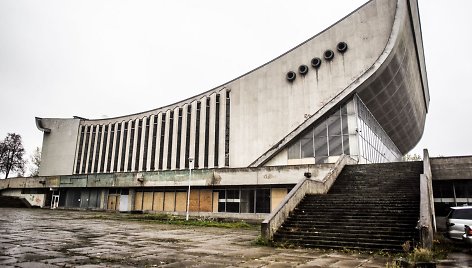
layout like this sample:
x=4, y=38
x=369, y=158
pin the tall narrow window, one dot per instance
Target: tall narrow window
x=138, y=144
x=110, y=147
x=207, y=132
x=104, y=148
x=171, y=134
x=161, y=148
x=92, y=146
x=179, y=140
x=187, y=140
x=79, y=151
x=217, y=129
x=97, y=150
x=123, y=148
x=87, y=139
x=146, y=143
x=131, y=145
x=154, y=141
x=197, y=135
x=227, y=128
x=117, y=147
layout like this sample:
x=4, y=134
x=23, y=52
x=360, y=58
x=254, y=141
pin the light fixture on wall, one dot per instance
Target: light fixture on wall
x=307, y=175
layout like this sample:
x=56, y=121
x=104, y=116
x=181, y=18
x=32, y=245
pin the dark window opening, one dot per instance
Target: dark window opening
x=97, y=150
x=131, y=145
x=87, y=139
x=154, y=141
x=169, y=145
x=146, y=143
x=117, y=147
x=161, y=148
x=110, y=148
x=104, y=148
x=92, y=147
x=79, y=151
x=187, y=140
x=138, y=145
x=227, y=129
x=197, y=135
x=123, y=148
x=207, y=130
x=217, y=129
x=179, y=140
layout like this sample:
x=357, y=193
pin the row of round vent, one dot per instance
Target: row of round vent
x=328, y=55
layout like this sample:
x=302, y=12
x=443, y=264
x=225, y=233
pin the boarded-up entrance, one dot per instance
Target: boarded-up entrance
x=113, y=202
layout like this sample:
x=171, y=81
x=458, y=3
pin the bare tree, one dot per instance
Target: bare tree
x=11, y=155
x=35, y=162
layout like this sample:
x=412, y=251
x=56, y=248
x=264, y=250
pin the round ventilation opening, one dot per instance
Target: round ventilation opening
x=341, y=47
x=303, y=69
x=316, y=63
x=328, y=55
x=291, y=76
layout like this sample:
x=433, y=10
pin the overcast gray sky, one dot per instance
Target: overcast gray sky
x=99, y=58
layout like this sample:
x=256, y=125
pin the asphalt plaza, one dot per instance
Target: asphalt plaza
x=60, y=238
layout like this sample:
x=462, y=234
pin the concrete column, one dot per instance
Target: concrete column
x=101, y=149
x=126, y=149
x=192, y=129
x=135, y=145
x=144, y=130
x=83, y=149
x=158, y=139
x=174, y=138
x=107, y=148
x=151, y=135
x=88, y=148
x=201, y=157
x=120, y=148
x=166, y=141
x=211, y=132
x=222, y=125
x=183, y=136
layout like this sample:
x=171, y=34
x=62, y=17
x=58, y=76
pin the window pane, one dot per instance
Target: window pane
x=335, y=146
x=334, y=125
x=320, y=130
x=346, y=144
x=294, y=151
x=344, y=125
x=307, y=146
x=247, y=201
x=321, y=146
x=263, y=201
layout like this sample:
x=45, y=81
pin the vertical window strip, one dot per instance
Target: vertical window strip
x=97, y=149
x=92, y=145
x=187, y=140
x=169, y=147
x=104, y=148
x=217, y=129
x=131, y=145
x=197, y=135
x=146, y=143
x=207, y=131
x=227, y=129
x=117, y=147
x=80, y=149
x=161, y=143
x=123, y=147
x=179, y=140
x=153, y=146
x=138, y=145
x=87, y=139
x=110, y=147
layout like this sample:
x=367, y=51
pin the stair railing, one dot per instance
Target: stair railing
x=306, y=186
x=427, y=222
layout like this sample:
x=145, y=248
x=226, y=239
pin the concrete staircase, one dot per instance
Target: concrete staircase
x=369, y=207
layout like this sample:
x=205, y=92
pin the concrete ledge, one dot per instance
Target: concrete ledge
x=306, y=186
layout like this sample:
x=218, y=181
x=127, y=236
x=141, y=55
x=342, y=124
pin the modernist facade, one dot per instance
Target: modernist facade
x=358, y=88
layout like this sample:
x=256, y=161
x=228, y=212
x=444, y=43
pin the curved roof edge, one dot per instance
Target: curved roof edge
x=222, y=86
x=39, y=125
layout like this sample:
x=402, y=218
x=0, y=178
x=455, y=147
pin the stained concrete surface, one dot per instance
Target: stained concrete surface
x=58, y=238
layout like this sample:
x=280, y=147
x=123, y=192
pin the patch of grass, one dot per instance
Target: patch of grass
x=259, y=241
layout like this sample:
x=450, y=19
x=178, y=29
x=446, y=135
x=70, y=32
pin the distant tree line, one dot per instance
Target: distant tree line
x=12, y=157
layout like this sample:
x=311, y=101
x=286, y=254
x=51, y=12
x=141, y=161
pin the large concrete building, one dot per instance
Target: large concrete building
x=358, y=88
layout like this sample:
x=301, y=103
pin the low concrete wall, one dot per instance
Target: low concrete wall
x=451, y=168
x=306, y=186
x=426, y=223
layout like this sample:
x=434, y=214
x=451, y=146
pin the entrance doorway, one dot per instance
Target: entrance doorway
x=54, y=201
